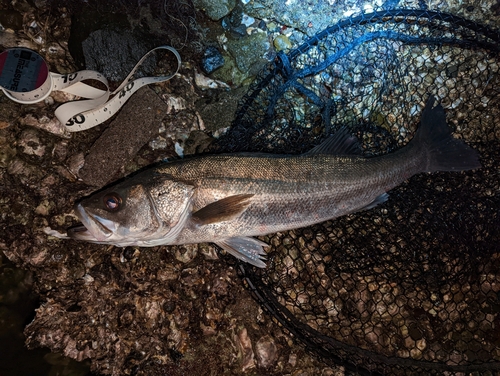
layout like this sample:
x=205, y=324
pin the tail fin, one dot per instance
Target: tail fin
x=445, y=153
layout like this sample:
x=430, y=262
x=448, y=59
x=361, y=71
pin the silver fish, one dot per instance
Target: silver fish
x=228, y=199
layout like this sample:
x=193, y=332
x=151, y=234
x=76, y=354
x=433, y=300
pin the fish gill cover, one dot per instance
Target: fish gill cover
x=412, y=286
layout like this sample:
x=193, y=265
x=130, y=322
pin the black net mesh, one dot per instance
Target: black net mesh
x=412, y=286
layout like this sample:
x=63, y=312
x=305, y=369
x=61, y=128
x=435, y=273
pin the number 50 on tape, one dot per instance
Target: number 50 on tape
x=25, y=78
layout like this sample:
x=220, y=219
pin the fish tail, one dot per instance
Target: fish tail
x=444, y=152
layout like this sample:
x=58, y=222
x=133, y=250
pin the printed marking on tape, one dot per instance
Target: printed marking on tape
x=25, y=78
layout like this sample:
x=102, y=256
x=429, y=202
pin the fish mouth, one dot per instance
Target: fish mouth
x=91, y=228
x=80, y=232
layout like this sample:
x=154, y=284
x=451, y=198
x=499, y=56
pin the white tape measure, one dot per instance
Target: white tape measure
x=25, y=78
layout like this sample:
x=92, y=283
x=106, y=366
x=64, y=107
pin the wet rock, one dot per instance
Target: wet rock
x=264, y=26
x=247, y=21
x=230, y=73
x=137, y=122
x=30, y=143
x=169, y=306
x=212, y=60
x=48, y=183
x=217, y=111
x=21, y=168
x=245, y=348
x=233, y=22
x=282, y=43
x=215, y=9
x=249, y=52
x=159, y=143
x=86, y=21
x=220, y=285
x=60, y=97
x=204, y=82
x=44, y=208
x=175, y=104
x=7, y=153
x=60, y=151
x=51, y=125
x=208, y=251
x=115, y=53
x=186, y=253
x=197, y=143
x=75, y=163
x=266, y=352
x=191, y=277
x=179, y=127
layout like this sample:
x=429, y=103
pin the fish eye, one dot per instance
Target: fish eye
x=112, y=201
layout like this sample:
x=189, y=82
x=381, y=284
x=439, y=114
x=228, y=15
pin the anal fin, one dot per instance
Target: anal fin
x=246, y=249
x=378, y=200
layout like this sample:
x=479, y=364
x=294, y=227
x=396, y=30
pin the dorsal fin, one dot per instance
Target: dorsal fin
x=341, y=143
x=222, y=210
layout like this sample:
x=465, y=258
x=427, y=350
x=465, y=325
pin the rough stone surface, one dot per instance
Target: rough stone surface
x=249, y=52
x=215, y=9
x=140, y=120
x=212, y=60
x=209, y=107
x=115, y=53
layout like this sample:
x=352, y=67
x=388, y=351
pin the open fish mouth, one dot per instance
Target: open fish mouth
x=91, y=228
x=80, y=232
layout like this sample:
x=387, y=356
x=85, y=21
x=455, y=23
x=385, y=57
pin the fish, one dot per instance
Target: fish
x=230, y=199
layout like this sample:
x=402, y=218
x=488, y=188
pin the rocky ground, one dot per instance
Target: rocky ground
x=121, y=311
x=166, y=310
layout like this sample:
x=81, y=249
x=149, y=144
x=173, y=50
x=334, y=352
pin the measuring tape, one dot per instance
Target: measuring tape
x=25, y=78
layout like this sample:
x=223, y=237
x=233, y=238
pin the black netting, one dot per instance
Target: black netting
x=412, y=286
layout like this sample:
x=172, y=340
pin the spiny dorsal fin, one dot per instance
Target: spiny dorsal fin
x=222, y=210
x=341, y=143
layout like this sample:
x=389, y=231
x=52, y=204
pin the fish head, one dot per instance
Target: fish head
x=133, y=213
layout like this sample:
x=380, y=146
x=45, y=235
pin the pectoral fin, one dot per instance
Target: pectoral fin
x=247, y=249
x=222, y=210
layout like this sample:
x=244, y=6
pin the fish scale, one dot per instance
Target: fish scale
x=282, y=204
